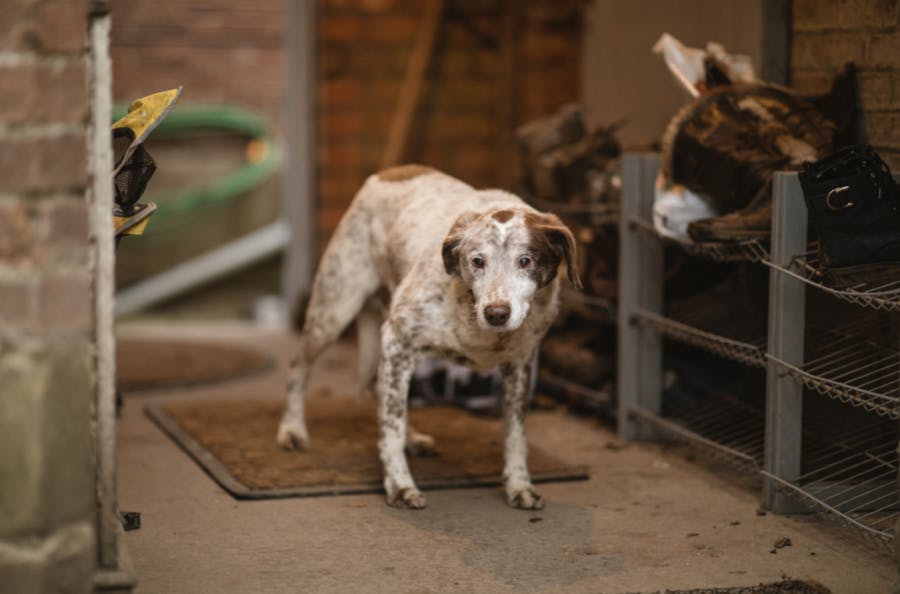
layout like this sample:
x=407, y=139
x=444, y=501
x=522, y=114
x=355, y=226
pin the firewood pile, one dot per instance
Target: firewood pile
x=575, y=172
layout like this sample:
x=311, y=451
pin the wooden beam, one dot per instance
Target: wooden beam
x=419, y=60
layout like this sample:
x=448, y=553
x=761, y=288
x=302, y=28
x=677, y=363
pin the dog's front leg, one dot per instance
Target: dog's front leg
x=519, y=490
x=394, y=373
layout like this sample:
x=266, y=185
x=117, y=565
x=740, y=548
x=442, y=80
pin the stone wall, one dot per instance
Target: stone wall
x=47, y=534
x=827, y=35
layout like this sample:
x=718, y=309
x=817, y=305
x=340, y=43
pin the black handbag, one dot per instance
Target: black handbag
x=854, y=206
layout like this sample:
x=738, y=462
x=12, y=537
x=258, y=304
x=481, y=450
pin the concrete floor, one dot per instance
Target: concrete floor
x=647, y=519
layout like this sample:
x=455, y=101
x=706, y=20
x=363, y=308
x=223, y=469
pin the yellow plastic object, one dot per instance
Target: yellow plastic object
x=136, y=223
x=144, y=115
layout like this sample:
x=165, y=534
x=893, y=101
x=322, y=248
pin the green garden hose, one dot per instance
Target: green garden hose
x=204, y=119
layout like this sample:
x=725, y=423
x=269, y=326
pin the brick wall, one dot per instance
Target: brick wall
x=481, y=84
x=826, y=35
x=222, y=51
x=46, y=311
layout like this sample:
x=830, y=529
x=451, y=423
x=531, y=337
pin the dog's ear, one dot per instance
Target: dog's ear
x=560, y=241
x=450, y=249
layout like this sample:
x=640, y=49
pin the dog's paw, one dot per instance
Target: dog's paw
x=407, y=498
x=525, y=498
x=420, y=444
x=292, y=435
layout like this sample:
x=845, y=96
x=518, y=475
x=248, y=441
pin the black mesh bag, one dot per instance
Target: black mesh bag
x=133, y=170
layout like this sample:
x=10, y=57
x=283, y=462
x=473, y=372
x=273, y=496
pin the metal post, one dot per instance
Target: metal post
x=787, y=320
x=640, y=285
x=299, y=190
x=101, y=206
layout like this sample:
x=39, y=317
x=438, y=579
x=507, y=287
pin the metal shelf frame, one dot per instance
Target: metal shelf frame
x=858, y=485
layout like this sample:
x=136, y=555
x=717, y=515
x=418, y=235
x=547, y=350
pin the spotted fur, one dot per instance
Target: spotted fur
x=471, y=277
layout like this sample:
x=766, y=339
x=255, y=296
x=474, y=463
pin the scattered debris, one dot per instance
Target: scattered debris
x=692, y=534
x=760, y=511
x=535, y=520
x=782, y=542
x=735, y=523
x=356, y=504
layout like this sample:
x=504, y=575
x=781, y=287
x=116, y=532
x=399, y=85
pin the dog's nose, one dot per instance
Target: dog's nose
x=496, y=313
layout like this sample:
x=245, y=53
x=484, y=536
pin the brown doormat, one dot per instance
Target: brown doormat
x=147, y=363
x=234, y=442
x=782, y=587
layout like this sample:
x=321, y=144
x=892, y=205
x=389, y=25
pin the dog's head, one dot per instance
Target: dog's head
x=504, y=256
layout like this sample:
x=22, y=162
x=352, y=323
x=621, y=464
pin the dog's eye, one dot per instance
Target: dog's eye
x=478, y=262
x=524, y=261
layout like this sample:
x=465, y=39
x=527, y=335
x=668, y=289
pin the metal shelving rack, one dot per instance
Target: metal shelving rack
x=644, y=322
x=857, y=364
x=852, y=478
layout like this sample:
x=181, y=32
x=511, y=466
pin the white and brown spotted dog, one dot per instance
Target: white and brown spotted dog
x=472, y=278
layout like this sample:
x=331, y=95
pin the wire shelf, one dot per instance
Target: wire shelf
x=853, y=479
x=738, y=339
x=738, y=251
x=850, y=474
x=590, y=307
x=881, y=295
x=724, y=428
x=858, y=364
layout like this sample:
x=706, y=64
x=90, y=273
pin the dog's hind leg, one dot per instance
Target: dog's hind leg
x=345, y=279
x=368, y=343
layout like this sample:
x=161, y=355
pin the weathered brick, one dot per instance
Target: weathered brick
x=43, y=164
x=329, y=6
x=337, y=125
x=16, y=297
x=826, y=51
x=883, y=128
x=816, y=15
x=44, y=91
x=338, y=188
x=548, y=49
x=341, y=28
x=377, y=62
x=466, y=96
x=391, y=28
x=891, y=156
x=812, y=81
x=64, y=300
x=874, y=89
x=340, y=92
x=472, y=128
x=64, y=231
x=895, y=89
x=884, y=51
x=16, y=236
x=44, y=25
x=341, y=155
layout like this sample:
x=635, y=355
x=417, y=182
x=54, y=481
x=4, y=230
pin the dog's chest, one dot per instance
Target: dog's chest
x=463, y=342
